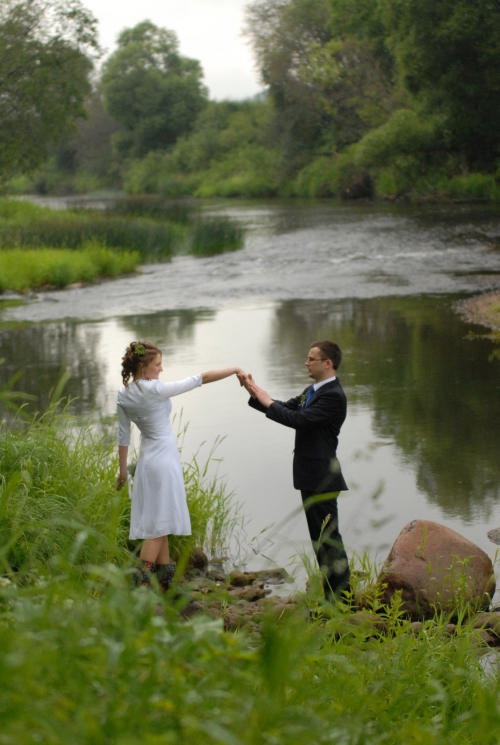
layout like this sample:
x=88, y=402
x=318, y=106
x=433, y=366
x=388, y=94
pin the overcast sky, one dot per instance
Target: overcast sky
x=208, y=30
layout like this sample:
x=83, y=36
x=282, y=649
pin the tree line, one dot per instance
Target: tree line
x=362, y=97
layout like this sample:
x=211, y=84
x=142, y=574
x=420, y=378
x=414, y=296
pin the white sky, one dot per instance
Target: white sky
x=208, y=30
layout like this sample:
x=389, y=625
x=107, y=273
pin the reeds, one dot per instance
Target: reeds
x=152, y=240
x=214, y=235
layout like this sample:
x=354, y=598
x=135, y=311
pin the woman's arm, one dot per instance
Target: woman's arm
x=211, y=376
x=122, y=456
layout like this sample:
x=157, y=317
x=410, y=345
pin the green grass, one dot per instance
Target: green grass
x=215, y=235
x=85, y=659
x=58, y=498
x=149, y=226
x=21, y=269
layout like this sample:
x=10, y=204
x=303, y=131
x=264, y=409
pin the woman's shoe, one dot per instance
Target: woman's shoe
x=143, y=572
x=164, y=575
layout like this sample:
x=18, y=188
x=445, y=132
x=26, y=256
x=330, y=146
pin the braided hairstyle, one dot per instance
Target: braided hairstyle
x=137, y=353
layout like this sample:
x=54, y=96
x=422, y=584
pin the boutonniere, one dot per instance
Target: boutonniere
x=303, y=399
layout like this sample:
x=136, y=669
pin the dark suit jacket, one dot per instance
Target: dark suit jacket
x=317, y=427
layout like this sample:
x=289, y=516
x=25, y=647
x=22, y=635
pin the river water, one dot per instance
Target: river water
x=423, y=430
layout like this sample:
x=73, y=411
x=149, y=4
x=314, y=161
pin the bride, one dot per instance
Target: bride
x=159, y=507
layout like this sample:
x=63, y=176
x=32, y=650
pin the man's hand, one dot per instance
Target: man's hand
x=259, y=393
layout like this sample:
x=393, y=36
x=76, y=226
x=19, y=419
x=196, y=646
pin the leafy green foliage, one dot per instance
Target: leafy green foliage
x=448, y=55
x=45, y=61
x=153, y=92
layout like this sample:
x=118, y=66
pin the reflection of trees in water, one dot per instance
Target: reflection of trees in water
x=431, y=390
x=166, y=328
x=42, y=351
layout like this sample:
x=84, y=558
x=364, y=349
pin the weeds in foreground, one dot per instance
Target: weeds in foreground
x=85, y=659
x=58, y=499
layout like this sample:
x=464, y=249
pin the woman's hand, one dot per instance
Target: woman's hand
x=211, y=376
x=122, y=479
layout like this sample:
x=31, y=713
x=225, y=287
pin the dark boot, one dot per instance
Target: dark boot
x=164, y=575
x=143, y=572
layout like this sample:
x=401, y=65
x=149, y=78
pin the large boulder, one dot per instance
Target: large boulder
x=436, y=569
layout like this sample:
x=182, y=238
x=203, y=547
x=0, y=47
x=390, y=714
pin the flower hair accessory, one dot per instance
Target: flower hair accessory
x=140, y=350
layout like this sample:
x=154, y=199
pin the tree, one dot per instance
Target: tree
x=46, y=49
x=448, y=54
x=153, y=92
x=328, y=70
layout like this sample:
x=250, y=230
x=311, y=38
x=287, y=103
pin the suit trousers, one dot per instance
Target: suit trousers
x=327, y=541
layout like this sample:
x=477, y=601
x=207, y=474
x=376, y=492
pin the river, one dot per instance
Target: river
x=423, y=427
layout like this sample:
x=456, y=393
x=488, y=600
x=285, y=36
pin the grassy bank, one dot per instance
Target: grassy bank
x=21, y=269
x=102, y=244
x=59, y=504
x=89, y=660
x=104, y=668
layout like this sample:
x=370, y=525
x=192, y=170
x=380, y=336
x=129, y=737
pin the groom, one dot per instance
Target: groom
x=316, y=416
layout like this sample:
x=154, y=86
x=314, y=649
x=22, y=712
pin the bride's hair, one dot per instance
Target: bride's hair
x=137, y=353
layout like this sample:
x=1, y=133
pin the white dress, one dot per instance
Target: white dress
x=158, y=495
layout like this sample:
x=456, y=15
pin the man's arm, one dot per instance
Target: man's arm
x=261, y=400
x=327, y=408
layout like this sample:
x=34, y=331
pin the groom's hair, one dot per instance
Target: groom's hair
x=330, y=351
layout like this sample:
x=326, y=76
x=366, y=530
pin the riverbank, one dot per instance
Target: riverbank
x=482, y=309
x=45, y=248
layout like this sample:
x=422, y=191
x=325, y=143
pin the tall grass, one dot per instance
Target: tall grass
x=21, y=269
x=215, y=235
x=84, y=659
x=153, y=227
x=58, y=498
x=73, y=230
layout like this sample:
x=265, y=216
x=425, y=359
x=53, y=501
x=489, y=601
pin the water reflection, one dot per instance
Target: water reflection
x=430, y=388
x=43, y=351
x=415, y=383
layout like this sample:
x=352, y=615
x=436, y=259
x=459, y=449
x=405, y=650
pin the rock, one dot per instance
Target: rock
x=274, y=576
x=248, y=593
x=191, y=609
x=198, y=558
x=436, y=569
x=494, y=535
x=416, y=627
x=367, y=620
x=216, y=575
x=492, y=640
x=489, y=621
x=450, y=629
x=240, y=579
x=232, y=619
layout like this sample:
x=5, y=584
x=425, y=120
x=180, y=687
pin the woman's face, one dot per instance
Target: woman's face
x=153, y=369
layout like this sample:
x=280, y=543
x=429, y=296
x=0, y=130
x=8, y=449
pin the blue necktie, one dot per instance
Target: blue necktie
x=309, y=395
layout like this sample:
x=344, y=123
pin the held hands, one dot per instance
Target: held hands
x=247, y=381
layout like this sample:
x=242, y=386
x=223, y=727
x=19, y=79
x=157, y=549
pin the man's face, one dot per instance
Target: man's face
x=316, y=364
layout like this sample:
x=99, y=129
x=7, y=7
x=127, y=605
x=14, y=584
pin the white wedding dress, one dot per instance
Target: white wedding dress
x=158, y=495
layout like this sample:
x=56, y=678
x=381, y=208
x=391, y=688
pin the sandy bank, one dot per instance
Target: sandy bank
x=482, y=309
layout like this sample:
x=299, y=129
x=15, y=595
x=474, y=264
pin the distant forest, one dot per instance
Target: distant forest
x=388, y=98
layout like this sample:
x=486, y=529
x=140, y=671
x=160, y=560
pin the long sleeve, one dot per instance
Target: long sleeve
x=328, y=408
x=168, y=390
x=124, y=426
